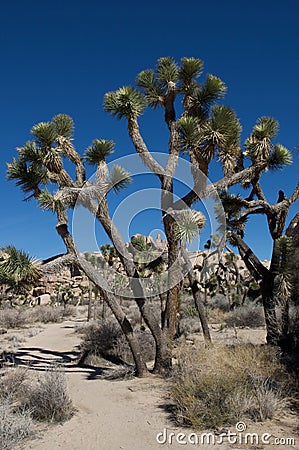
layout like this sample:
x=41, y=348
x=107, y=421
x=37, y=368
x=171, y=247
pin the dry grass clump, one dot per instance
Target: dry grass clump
x=100, y=338
x=22, y=317
x=48, y=397
x=46, y=314
x=220, y=385
x=22, y=400
x=221, y=302
x=106, y=339
x=69, y=311
x=14, y=318
x=188, y=325
x=250, y=315
x=15, y=420
x=11, y=382
x=15, y=425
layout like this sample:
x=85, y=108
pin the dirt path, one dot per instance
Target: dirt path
x=110, y=415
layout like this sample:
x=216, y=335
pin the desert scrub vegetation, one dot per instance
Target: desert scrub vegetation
x=250, y=315
x=15, y=419
x=219, y=385
x=14, y=425
x=104, y=339
x=14, y=318
x=22, y=317
x=24, y=400
x=47, y=397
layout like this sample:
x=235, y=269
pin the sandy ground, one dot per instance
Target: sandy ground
x=114, y=415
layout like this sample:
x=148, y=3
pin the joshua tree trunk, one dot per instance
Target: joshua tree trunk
x=120, y=316
x=89, y=310
x=93, y=276
x=197, y=297
x=162, y=360
x=260, y=272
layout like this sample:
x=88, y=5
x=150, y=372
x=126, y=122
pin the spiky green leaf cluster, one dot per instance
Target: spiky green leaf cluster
x=169, y=76
x=206, y=94
x=265, y=128
x=260, y=148
x=189, y=131
x=280, y=157
x=125, y=102
x=223, y=129
x=190, y=70
x=45, y=134
x=42, y=155
x=139, y=243
x=64, y=125
x=46, y=200
x=167, y=71
x=188, y=224
x=259, y=145
x=232, y=204
x=147, y=80
x=28, y=176
x=98, y=151
x=29, y=152
x=18, y=270
x=119, y=178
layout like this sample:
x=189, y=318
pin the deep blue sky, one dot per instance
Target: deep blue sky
x=61, y=57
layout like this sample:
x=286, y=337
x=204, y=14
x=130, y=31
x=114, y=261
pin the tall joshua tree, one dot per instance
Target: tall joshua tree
x=275, y=280
x=39, y=163
x=199, y=127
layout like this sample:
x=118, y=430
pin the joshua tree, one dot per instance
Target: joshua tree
x=40, y=162
x=18, y=272
x=202, y=130
x=274, y=281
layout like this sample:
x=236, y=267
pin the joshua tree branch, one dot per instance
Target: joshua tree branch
x=294, y=196
x=250, y=211
x=253, y=264
x=223, y=184
x=58, y=262
x=142, y=149
x=257, y=189
x=68, y=150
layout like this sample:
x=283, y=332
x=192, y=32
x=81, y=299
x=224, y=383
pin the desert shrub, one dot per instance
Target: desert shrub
x=188, y=311
x=69, y=311
x=188, y=325
x=106, y=339
x=46, y=314
x=15, y=425
x=217, y=386
x=221, y=302
x=48, y=397
x=33, y=331
x=100, y=338
x=16, y=340
x=11, y=382
x=246, y=316
x=147, y=345
x=13, y=318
